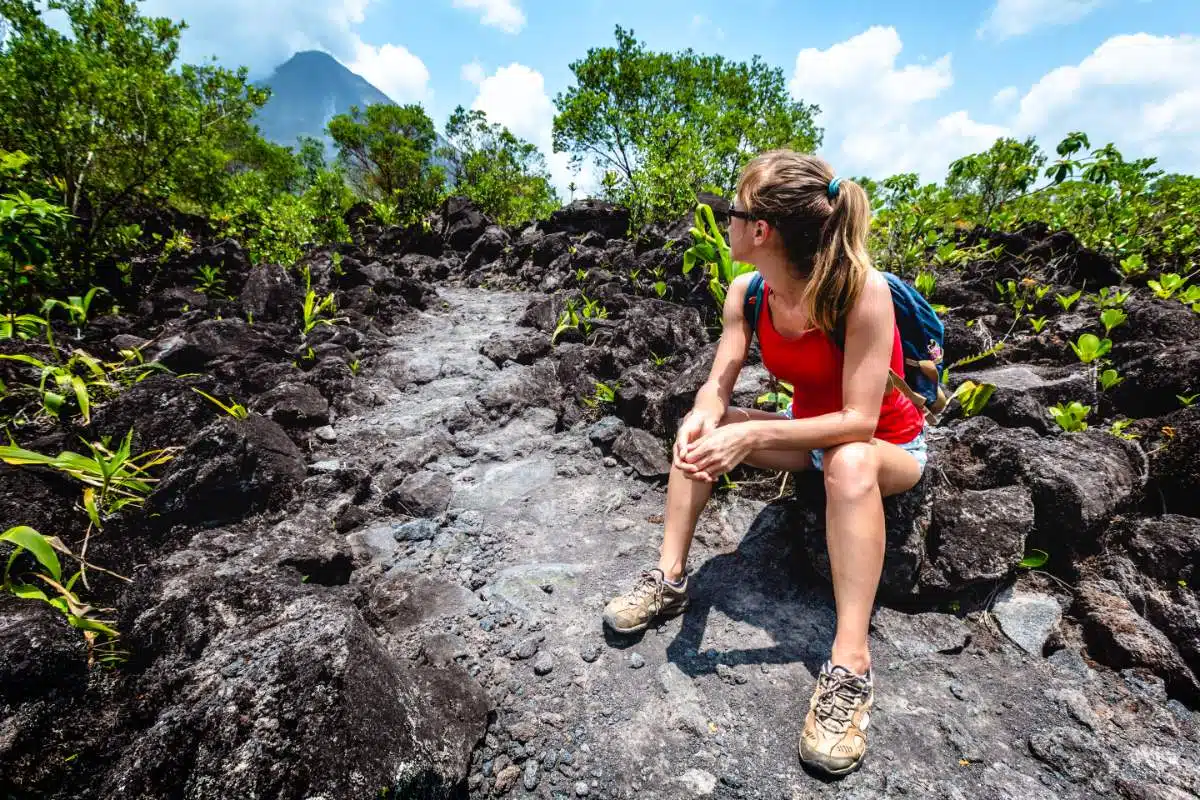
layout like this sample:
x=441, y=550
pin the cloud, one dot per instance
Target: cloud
x=875, y=111
x=1017, y=17
x=266, y=33
x=1005, y=98
x=701, y=23
x=472, y=73
x=515, y=96
x=1137, y=91
x=503, y=14
x=394, y=70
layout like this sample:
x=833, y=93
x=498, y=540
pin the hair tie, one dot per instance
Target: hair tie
x=833, y=187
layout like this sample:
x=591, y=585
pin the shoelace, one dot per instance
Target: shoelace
x=837, y=695
x=649, y=584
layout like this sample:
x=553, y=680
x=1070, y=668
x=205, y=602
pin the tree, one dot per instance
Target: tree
x=670, y=124
x=1006, y=171
x=104, y=114
x=503, y=175
x=388, y=151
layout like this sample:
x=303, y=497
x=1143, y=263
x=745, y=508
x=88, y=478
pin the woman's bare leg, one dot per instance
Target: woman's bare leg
x=686, y=497
x=858, y=475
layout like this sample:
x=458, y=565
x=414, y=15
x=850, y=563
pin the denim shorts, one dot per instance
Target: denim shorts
x=916, y=446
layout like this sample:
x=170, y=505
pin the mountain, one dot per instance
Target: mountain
x=308, y=90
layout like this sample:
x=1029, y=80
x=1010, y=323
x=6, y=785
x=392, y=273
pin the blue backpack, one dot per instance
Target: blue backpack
x=921, y=335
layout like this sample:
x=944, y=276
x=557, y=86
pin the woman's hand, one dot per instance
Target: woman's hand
x=699, y=423
x=717, y=453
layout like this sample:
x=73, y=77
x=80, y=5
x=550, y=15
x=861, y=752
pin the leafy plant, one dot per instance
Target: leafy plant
x=579, y=318
x=209, y=281
x=1187, y=399
x=973, y=396
x=1133, y=265
x=660, y=288
x=1034, y=560
x=712, y=253
x=22, y=326
x=1068, y=300
x=1037, y=323
x=314, y=310
x=603, y=394
x=1167, y=285
x=779, y=398
x=1118, y=429
x=1191, y=297
x=1109, y=378
x=1071, y=417
x=77, y=307
x=925, y=282
x=1111, y=318
x=1090, y=347
x=234, y=409
x=61, y=594
x=82, y=376
x=1111, y=298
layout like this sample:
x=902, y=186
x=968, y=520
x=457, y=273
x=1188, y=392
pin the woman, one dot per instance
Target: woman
x=805, y=231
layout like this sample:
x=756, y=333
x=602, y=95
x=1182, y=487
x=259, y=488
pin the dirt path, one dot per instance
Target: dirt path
x=539, y=529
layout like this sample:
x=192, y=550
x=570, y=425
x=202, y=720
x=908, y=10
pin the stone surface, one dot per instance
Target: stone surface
x=642, y=451
x=977, y=535
x=1028, y=618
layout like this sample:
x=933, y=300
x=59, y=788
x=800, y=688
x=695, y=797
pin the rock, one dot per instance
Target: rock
x=246, y=669
x=523, y=348
x=518, y=387
x=224, y=347
x=544, y=664
x=1175, y=463
x=1120, y=637
x=1072, y=753
x=977, y=535
x=591, y=653
x=531, y=776
x=1023, y=393
x=698, y=782
x=422, y=494
x=527, y=648
x=636, y=661
x=162, y=410
x=463, y=223
x=270, y=295
x=233, y=468
x=581, y=216
x=295, y=405
x=40, y=654
x=642, y=451
x=418, y=530
x=326, y=434
x=487, y=248
x=1028, y=618
x=507, y=779
x=606, y=430
x=922, y=634
x=581, y=789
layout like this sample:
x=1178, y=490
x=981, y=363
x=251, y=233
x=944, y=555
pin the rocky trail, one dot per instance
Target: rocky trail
x=541, y=529
x=385, y=578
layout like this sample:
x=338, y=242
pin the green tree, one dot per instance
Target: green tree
x=388, y=153
x=667, y=125
x=504, y=175
x=1006, y=171
x=105, y=114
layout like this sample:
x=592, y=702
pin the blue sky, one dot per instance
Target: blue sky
x=905, y=85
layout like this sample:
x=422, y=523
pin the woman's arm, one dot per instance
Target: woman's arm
x=870, y=336
x=732, y=348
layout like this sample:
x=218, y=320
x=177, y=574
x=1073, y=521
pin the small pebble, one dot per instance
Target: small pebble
x=581, y=789
x=544, y=664
x=591, y=653
x=636, y=661
x=531, y=775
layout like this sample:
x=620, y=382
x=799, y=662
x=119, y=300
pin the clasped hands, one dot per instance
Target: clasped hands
x=704, y=450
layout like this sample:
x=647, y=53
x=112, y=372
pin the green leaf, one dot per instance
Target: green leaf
x=1036, y=559
x=35, y=543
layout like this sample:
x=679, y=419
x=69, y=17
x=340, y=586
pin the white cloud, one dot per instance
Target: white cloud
x=503, y=14
x=1017, y=17
x=394, y=70
x=515, y=96
x=1004, y=98
x=472, y=73
x=1137, y=91
x=266, y=33
x=701, y=23
x=874, y=109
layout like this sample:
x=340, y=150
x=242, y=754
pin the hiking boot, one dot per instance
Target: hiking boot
x=835, y=731
x=650, y=598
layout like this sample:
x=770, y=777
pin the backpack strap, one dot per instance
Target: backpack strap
x=754, y=301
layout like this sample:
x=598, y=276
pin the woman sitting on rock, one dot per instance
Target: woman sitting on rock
x=805, y=231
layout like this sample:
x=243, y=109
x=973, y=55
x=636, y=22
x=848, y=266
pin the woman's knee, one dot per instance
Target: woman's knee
x=851, y=470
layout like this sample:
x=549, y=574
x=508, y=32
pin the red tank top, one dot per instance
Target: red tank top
x=812, y=364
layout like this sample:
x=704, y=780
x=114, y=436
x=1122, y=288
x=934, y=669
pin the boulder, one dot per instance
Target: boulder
x=462, y=223
x=270, y=295
x=40, y=654
x=1023, y=393
x=643, y=451
x=422, y=494
x=977, y=535
x=581, y=216
x=233, y=468
x=487, y=248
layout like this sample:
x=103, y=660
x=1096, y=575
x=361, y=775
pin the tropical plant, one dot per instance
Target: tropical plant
x=1090, y=347
x=233, y=409
x=1037, y=323
x=1109, y=378
x=712, y=253
x=973, y=396
x=209, y=280
x=1167, y=285
x=314, y=310
x=1071, y=417
x=1068, y=300
x=1111, y=318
